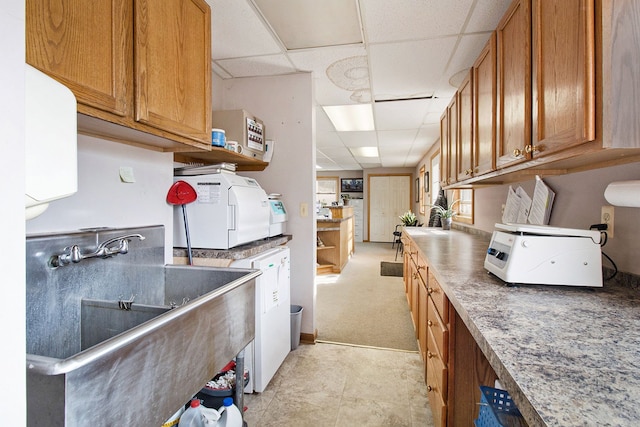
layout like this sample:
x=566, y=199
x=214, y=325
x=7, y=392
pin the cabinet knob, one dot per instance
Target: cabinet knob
x=415, y=275
x=429, y=323
x=468, y=172
x=431, y=291
x=517, y=153
x=429, y=354
x=421, y=267
x=430, y=388
x=532, y=149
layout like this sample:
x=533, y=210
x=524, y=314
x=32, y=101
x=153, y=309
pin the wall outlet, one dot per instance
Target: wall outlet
x=304, y=210
x=606, y=217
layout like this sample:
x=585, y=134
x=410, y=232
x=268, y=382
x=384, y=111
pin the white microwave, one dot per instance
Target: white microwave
x=244, y=128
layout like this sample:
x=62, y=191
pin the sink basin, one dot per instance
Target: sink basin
x=94, y=359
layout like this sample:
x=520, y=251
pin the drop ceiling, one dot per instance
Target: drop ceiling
x=405, y=58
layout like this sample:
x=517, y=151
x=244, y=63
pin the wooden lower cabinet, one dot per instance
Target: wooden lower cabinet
x=455, y=367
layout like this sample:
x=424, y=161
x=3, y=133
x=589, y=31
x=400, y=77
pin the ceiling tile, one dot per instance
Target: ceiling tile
x=308, y=24
x=407, y=70
x=359, y=139
x=386, y=20
x=397, y=139
x=257, y=66
x=230, y=38
x=395, y=115
x=486, y=15
x=326, y=139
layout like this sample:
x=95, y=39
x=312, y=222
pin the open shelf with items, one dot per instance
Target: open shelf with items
x=221, y=155
x=335, y=241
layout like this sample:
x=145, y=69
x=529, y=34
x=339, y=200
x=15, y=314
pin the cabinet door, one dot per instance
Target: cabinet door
x=444, y=147
x=85, y=45
x=465, y=123
x=173, y=66
x=452, y=122
x=484, y=111
x=564, y=74
x=514, y=84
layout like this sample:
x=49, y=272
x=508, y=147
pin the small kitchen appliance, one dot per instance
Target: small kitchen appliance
x=539, y=254
x=230, y=210
x=277, y=216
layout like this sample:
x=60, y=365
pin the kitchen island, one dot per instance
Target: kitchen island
x=568, y=356
x=335, y=240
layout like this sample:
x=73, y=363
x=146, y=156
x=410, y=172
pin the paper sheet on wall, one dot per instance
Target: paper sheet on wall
x=542, y=202
x=520, y=208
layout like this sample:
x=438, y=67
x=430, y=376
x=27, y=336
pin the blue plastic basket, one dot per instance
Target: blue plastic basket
x=497, y=409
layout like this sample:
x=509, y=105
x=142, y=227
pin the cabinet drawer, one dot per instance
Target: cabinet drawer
x=438, y=329
x=436, y=400
x=439, y=298
x=437, y=366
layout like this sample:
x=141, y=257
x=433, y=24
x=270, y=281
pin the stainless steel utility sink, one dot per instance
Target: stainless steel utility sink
x=96, y=358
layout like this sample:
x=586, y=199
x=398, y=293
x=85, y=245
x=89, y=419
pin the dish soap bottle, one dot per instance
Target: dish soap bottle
x=193, y=416
x=230, y=415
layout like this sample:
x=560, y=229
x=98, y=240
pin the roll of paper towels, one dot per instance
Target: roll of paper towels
x=623, y=193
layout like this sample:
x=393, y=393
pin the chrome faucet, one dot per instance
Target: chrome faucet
x=105, y=249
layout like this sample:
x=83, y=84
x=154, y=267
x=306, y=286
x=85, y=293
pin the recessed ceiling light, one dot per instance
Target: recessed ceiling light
x=364, y=151
x=349, y=118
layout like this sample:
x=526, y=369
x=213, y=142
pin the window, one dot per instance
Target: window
x=464, y=206
x=434, y=189
x=326, y=190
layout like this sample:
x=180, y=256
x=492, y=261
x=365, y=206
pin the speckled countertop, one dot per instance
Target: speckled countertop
x=568, y=356
x=239, y=252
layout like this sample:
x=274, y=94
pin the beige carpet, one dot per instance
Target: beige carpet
x=359, y=306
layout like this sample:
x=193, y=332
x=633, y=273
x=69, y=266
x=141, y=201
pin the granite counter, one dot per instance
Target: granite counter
x=224, y=257
x=568, y=356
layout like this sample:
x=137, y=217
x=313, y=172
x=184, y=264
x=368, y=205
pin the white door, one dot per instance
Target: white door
x=389, y=198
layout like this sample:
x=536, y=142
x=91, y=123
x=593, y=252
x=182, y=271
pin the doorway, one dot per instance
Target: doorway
x=389, y=198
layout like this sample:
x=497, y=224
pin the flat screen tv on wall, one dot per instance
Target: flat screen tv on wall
x=351, y=185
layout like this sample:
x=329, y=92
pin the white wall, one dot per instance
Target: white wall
x=104, y=200
x=12, y=261
x=285, y=104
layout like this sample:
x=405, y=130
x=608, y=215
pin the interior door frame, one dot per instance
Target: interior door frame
x=377, y=175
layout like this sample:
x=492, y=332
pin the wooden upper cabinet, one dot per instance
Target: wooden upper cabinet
x=140, y=69
x=85, y=45
x=564, y=74
x=465, y=130
x=514, y=85
x=454, y=137
x=484, y=95
x=444, y=147
x=173, y=66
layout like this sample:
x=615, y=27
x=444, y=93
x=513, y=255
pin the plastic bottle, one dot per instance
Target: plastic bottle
x=230, y=415
x=192, y=417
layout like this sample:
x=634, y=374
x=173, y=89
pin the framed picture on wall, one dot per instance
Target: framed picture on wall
x=351, y=185
x=426, y=182
x=417, y=190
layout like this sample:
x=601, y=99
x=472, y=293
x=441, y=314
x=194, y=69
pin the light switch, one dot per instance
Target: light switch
x=304, y=210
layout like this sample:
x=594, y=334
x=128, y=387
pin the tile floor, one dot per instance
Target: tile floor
x=339, y=385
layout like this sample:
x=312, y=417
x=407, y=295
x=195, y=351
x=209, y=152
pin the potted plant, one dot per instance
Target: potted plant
x=408, y=219
x=445, y=214
x=345, y=199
